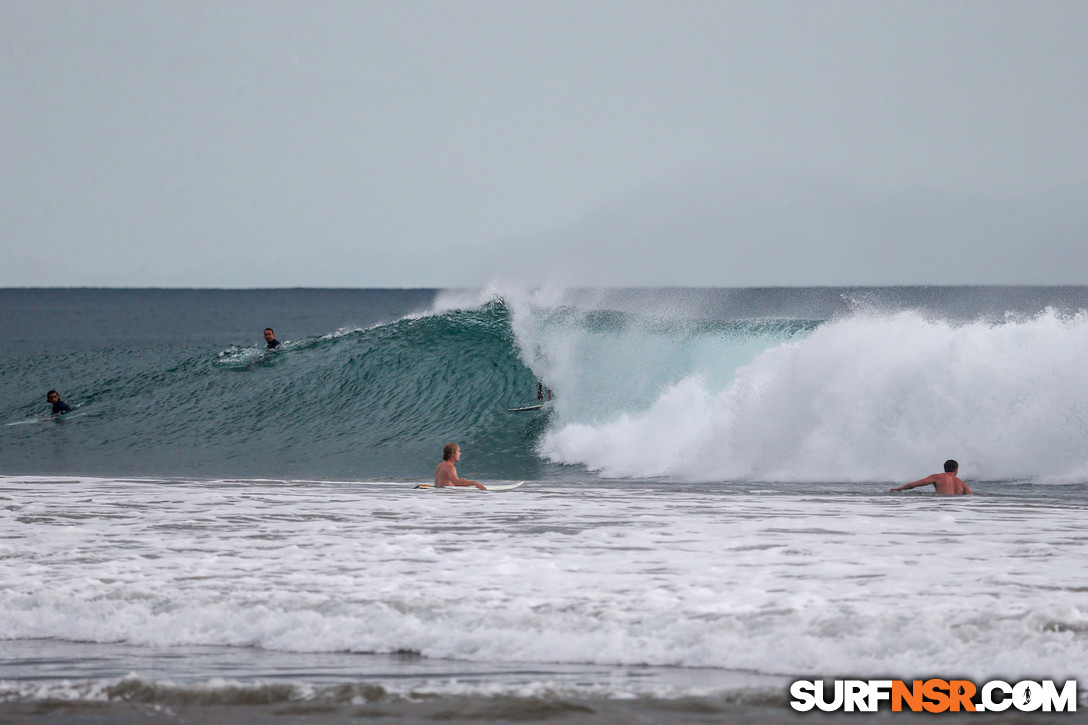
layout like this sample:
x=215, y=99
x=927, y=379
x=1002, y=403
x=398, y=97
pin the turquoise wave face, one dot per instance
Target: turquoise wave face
x=355, y=404
x=358, y=404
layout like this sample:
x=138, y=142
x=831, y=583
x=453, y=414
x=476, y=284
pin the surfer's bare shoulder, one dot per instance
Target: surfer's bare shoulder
x=443, y=474
x=947, y=483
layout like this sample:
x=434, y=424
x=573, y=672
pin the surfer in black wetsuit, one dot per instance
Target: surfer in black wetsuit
x=59, y=406
x=270, y=338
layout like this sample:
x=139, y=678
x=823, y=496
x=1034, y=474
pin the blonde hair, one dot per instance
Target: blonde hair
x=448, y=450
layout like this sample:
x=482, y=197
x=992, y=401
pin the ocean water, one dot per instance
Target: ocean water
x=220, y=528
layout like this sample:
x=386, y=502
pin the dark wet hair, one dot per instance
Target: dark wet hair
x=52, y=392
x=269, y=329
x=951, y=466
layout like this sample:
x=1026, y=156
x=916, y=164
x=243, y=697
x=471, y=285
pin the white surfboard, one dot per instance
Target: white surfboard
x=489, y=487
x=504, y=486
x=53, y=417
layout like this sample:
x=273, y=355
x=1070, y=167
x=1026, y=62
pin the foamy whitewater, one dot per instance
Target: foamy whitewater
x=760, y=580
x=860, y=397
x=705, y=515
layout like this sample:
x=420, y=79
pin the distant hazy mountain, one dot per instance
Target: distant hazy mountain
x=756, y=230
x=762, y=231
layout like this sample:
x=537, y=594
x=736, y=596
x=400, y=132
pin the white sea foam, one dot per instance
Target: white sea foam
x=868, y=397
x=776, y=583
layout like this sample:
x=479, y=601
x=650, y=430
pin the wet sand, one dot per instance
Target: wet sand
x=493, y=711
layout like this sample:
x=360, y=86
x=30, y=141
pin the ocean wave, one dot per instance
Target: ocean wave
x=866, y=397
x=671, y=384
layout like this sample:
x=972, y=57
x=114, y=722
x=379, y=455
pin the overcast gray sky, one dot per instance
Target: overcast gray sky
x=273, y=143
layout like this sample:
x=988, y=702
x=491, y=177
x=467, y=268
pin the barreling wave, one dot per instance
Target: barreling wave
x=356, y=403
x=659, y=384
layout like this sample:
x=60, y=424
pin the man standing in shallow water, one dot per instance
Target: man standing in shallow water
x=446, y=473
x=947, y=483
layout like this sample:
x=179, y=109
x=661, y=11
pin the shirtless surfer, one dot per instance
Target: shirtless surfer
x=446, y=473
x=947, y=483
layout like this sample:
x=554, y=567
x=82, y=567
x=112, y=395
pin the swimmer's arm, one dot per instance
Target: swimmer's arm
x=466, y=482
x=448, y=477
x=915, y=484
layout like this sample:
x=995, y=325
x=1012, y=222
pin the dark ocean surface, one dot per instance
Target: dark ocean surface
x=178, y=382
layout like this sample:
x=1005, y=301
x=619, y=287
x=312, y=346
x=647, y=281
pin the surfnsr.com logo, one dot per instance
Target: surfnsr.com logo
x=933, y=696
